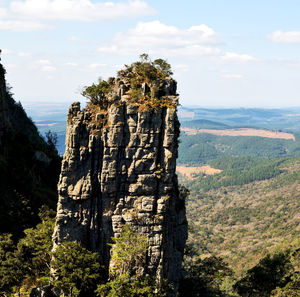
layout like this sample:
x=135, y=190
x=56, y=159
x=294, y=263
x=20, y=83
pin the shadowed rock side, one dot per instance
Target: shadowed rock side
x=29, y=167
x=4, y=123
x=120, y=173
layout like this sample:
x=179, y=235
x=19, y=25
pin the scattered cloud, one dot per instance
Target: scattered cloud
x=238, y=58
x=3, y=12
x=43, y=62
x=24, y=54
x=74, y=38
x=29, y=15
x=6, y=51
x=285, y=37
x=48, y=68
x=96, y=65
x=156, y=37
x=181, y=67
x=80, y=10
x=44, y=65
x=71, y=64
x=11, y=66
x=232, y=76
x=21, y=25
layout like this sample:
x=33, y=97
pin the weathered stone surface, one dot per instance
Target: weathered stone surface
x=124, y=173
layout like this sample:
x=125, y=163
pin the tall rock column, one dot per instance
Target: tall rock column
x=119, y=168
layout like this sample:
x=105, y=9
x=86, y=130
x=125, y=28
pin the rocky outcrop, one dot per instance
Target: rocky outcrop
x=119, y=168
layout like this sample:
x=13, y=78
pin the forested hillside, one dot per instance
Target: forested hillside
x=202, y=148
x=244, y=220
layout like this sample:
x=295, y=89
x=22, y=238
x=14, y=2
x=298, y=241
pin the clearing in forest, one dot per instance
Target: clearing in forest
x=188, y=172
x=241, y=132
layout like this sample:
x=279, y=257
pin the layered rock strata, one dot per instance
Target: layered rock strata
x=119, y=168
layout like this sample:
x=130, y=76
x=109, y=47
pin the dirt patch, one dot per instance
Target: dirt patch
x=188, y=172
x=242, y=132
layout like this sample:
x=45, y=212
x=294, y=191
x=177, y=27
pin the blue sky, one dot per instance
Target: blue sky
x=225, y=53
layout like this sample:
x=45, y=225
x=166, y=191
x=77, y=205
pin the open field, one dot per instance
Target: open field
x=188, y=172
x=241, y=132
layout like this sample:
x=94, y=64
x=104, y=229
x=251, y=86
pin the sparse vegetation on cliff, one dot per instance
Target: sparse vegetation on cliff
x=97, y=93
x=142, y=83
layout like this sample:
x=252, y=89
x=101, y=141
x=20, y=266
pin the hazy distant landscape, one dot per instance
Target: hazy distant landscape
x=52, y=116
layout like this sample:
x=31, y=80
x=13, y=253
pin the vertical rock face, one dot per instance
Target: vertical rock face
x=119, y=168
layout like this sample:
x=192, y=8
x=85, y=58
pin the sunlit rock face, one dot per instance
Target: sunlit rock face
x=119, y=168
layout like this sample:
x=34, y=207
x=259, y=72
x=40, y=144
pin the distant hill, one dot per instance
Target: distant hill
x=203, y=124
x=274, y=119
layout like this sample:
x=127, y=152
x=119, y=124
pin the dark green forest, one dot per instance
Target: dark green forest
x=202, y=148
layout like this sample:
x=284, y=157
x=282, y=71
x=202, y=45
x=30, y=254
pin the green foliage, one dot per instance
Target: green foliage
x=38, y=242
x=146, y=72
x=8, y=276
x=143, y=80
x=128, y=252
x=126, y=274
x=29, y=259
x=237, y=171
x=27, y=182
x=163, y=66
x=97, y=93
x=202, y=148
x=126, y=286
x=291, y=289
x=77, y=269
x=204, y=277
x=242, y=223
x=271, y=272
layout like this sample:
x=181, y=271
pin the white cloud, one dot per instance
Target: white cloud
x=20, y=25
x=24, y=54
x=71, y=64
x=6, y=51
x=48, y=68
x=96, y=65
x=26, y=15
x=3, y=12
x=156, y=37
x=232, y=76
x=83, y=10
x=285, y=37
x=10, y=66
x=74, y=38
x=239, y=58
x=181, y=67
x=43, y=62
